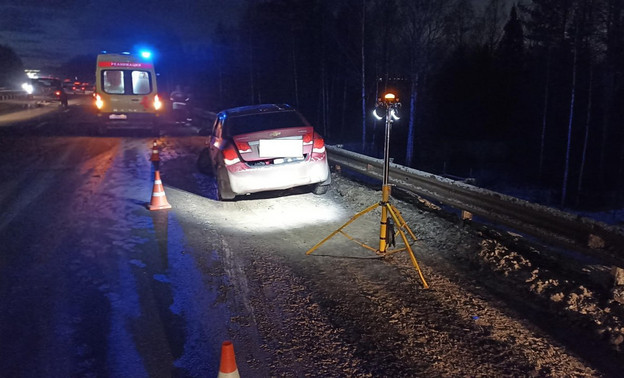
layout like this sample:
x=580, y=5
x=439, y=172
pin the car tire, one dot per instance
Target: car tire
x=156, y=129
x=102, y=130
x=320, y=189
x=224, y=192
x=204, y=162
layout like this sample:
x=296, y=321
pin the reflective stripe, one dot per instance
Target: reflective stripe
x=154, y=151
x=157, y=182
x=158, y=194
x=232, y=161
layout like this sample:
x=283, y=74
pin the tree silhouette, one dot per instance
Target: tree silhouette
x=11, y=68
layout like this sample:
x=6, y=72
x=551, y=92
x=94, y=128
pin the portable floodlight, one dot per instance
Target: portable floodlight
x=388, y=107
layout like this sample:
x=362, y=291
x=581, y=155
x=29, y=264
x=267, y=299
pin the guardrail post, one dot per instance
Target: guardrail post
x=466, y=215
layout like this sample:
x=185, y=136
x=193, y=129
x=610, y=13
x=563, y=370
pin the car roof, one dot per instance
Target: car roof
x=256, y=109
x=45, y=78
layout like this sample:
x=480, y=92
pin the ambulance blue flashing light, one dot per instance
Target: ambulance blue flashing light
x=145, y=54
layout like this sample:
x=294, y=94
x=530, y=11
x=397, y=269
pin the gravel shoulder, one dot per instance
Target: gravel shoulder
x=498, y=305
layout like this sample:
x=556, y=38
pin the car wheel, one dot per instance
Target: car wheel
x=102, y=129
x=156, y=129
x=224, y=192
x=204, y=162
x=320, y=189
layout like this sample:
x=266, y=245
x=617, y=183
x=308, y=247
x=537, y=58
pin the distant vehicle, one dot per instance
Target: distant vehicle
x=264, y=147
x=48, y=89
x=180, y=105
x=126, y=94
x=83, y=88
x=68, y=86
x=87, y=88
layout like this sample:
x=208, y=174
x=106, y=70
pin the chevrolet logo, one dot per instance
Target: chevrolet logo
x=275, y=134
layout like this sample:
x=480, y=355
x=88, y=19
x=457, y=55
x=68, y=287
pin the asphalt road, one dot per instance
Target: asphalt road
x=85, y=286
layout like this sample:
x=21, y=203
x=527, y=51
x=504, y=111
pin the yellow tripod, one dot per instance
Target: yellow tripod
x=386, y=232
x=390, y=106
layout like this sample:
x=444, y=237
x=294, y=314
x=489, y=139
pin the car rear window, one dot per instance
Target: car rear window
x=129, y=82
x=235, y=125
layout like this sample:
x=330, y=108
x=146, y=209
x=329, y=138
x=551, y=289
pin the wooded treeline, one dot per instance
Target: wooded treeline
x=527, y=94
x=524, y=95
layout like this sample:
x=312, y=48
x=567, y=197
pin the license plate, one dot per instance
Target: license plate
x=268, y=148
x=117, y=116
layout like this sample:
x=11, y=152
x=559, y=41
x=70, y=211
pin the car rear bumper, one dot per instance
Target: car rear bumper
x=44, y=99
x=128, y=120
x=277, y=177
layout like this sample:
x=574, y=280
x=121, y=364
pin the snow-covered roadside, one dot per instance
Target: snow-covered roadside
x=556, y=282
x=497, y=304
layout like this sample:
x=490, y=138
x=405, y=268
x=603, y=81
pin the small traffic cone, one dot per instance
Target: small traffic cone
x=159, y=200
x=227, y=368
x=155, y=154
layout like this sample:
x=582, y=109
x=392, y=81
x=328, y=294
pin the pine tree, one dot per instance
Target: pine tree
x=11, y=68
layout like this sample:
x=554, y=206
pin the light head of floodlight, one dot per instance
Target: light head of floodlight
x=387, y=105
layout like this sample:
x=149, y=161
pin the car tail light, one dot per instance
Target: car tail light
x=57, y=93
x=157, y=102
x=98, y=101
x=243, y=147
x=230, y=156
x=319, y=144
x=307, y=138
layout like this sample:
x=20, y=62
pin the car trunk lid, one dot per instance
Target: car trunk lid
x=292, y=142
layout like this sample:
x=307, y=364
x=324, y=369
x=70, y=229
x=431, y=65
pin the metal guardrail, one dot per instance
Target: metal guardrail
x=12, y=95
x=581, y=234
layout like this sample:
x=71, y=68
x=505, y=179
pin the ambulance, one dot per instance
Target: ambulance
x=126, y=94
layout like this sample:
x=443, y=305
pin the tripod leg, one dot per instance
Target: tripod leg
x=407, y=245
x=356, y=216
x=402, y=224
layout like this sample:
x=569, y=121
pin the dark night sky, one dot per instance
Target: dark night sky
x=50, y=32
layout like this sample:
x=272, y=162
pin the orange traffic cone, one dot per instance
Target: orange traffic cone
x=155, y=154
x=159, y=200
x=227, y=368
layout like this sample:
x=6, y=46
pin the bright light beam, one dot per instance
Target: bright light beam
x=268, y=215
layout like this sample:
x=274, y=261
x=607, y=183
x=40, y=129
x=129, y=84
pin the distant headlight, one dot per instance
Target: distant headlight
x=28, y=88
